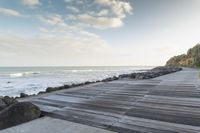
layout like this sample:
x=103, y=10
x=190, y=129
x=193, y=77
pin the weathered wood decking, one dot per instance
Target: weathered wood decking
x=167, y=104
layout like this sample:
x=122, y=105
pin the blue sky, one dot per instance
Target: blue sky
x=96, y=32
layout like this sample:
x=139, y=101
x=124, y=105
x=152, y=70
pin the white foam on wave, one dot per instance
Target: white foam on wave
x=87, y=70
x=23, y=74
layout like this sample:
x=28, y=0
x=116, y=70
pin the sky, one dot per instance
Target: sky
x=96, y=32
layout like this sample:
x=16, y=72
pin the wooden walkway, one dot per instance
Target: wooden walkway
x=167, y=104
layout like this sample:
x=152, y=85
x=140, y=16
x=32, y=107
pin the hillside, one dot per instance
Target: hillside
x=191, y=59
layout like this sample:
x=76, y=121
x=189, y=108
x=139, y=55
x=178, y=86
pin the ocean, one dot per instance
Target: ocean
x=31, y=80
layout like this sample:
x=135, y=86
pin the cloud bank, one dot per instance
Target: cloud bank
x=64, y=38
x=109, y=15
x=9, y=12
x=30, y=2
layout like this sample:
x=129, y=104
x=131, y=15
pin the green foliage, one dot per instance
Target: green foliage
x=191, y=59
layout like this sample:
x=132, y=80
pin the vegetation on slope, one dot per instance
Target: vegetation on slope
x=191, y=59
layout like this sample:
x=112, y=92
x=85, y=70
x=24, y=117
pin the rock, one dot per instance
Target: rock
x=9, y=100
x=22, y=95
x=66, y=86
x=132, y=75
x=140, y=76
x=59, y=88
x=155, y=72
x=41, y=92
x=87, y=82
x=50, y=89
x=73, y=85
x=18, y=113
x=115, y=78
x=2, y=104
x=107, y=80
x=17, y=97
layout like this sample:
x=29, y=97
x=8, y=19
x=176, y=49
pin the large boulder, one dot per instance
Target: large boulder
x=18, y=113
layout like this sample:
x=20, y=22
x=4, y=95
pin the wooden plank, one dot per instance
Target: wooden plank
x=75, y=95
x=175, y=93
x=168, y=115
x=81, y=106
x=98, y=102
x=176, y=107
x=121, y=97
x=64, y=98
x=84, y=117
x=193, y=102
x=140, y=125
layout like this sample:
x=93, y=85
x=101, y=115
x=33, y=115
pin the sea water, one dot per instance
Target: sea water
x=31, y=80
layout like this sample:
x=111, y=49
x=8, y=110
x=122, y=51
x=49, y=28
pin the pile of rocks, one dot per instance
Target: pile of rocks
x=155, y=72
x=13, y=112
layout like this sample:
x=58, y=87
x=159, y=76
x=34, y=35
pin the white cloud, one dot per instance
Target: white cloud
x=51, y=49
x=9, y=12
x=96, y=22
x=72, y=8
x=119, y=8
x=53, y=19
x=108, y=13
x=60, y=42
x=104, y=2
x=71, y=17
x=100, y=22
x=30, y=2
x=76, y=1
x=127, y=7
x=103, y=12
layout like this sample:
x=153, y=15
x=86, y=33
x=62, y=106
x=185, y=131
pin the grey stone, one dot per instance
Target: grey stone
x=22, y=95
x=18, y=113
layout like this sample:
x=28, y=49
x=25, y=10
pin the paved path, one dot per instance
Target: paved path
x=52, y=125
x=167, y=104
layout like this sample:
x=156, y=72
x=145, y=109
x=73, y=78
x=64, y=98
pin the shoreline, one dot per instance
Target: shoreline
x=33, y=80
x=148, y=74
x=11, y=106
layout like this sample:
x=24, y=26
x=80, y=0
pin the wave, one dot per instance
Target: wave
x=23, y=74
x=87, y=70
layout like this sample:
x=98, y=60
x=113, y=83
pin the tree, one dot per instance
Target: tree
x=191, y=59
